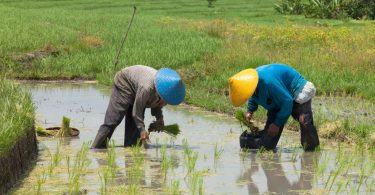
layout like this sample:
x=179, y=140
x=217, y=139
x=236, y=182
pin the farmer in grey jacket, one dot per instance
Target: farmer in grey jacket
x=135, y=89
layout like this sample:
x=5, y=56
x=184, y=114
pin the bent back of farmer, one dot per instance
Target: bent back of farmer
x=282, y=91
x=136, y=88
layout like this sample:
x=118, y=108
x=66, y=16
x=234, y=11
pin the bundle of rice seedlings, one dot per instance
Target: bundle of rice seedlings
x=240, y=116
x=65, y=128
x=172, y=130
x=43, y=132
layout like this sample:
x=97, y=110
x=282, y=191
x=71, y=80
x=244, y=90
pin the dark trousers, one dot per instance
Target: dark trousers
x=117, y=109
x=303, y=114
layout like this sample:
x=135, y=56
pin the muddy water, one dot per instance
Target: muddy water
x=234, y=172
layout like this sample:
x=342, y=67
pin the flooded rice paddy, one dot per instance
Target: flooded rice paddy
x=204, y=159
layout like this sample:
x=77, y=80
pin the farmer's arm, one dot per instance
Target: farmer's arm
x=252, y=105
x=139, y=106
x=157, y=113
x=284, y=101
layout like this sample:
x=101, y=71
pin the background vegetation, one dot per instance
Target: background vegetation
x=16, y=116
x=336, y=9
x=206, y=41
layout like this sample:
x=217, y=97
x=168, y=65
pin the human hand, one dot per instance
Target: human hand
x=144, y=136
x=248, y=116
x=273, y=130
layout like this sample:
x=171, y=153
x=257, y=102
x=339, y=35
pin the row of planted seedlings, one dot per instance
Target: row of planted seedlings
x=349, y=170
x=192, y=177
x=63, y=166
x=65, y=173
x=334, y=171
x=343, y=170
x=111, y=179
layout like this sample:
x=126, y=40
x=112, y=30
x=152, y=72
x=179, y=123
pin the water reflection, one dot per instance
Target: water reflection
x=280, y=173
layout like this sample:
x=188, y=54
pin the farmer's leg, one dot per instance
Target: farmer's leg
x=303, y=114
x=115, y=113
x=132, y=133
x=267, y=141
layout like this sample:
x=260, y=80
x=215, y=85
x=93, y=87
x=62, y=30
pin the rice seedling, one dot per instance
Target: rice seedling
x=294, y=154
x=174, y=188
x=40, y=181
x=322, y=166
x=370, y=187
x=136, y=150
x=362, y=176
x=335, y=175
x=189, y=156
x=165, y=162
x=132, y=189
x=244, y=153
x=191, y=162
x=109, y=171
x=67, y=161
x=103, y=180
x=196, y=183
x=339, y=186
x=371, y=170
x=134, y=171
x=348, y=180
x=111, y=158
x=261, y=151
x=55, y=159
x=185, y=146
x=240, y=116
x=217, y=154
x=200, y=188
x=79, y=167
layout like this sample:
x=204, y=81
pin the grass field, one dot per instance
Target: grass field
x=78, y=39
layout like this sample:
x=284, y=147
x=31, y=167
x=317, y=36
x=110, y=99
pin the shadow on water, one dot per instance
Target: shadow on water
x=289, y=170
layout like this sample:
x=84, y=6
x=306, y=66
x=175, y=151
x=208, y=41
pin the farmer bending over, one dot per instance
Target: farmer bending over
x=135, y=89
x=282, y=91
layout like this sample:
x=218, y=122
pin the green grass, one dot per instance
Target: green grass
x=205, y=45
x=16, y=116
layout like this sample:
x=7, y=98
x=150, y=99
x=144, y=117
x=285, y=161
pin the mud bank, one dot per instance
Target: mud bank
x=16, y=163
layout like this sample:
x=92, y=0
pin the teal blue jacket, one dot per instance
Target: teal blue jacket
x=276, y=90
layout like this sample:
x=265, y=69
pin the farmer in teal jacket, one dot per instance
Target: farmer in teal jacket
x=282, y=91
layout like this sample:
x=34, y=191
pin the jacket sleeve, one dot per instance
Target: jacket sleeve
x=157, y=112
x=252, y=105
x=139, y=107
x=284, y=101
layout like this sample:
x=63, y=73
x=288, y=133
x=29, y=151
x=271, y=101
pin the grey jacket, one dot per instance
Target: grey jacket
x=137, y=87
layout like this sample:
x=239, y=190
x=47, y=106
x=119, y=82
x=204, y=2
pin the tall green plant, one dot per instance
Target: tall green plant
x=361, y=9
x=335, y=9
x=329, y=9
x=289, y=7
